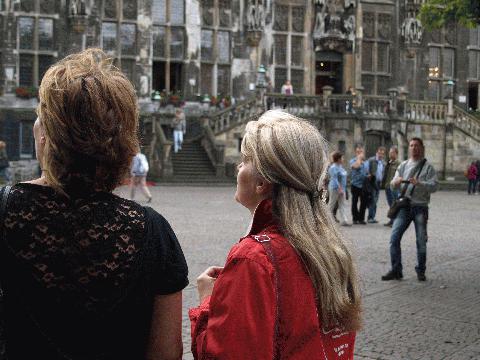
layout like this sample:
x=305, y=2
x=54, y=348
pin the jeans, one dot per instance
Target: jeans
x=391, y=195
x=177, y=140
x=358, y=194
x=472, y=184
x=419, y=216
x=372, y=207
x=336, y=199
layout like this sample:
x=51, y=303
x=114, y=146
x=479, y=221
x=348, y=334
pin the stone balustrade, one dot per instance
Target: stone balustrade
x=426, y=111
x=374, y=105
x=466, y=122
x=238, y=114
x=299, y=105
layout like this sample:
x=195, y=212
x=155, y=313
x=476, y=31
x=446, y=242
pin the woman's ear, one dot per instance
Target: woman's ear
x=263, y=187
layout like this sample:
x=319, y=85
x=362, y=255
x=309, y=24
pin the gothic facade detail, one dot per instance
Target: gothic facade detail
x=334, y=25
x=255, y=21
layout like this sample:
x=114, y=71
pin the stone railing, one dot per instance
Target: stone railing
x=158, y=147
x=428, y=111
x=215, y=150
x=240, y=113
x=466, y=122
x=340, y=104
x=300, y=105
x=374, y=105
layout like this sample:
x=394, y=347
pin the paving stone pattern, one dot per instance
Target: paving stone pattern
x=406, y=320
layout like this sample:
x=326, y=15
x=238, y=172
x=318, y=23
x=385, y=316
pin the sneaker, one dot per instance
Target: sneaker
x=362, y=222
x=372, y=221
x=421, y=277
x=392, y=275
x=389, y=224
x=345, y=224
x=149, y=200
x=355, y=222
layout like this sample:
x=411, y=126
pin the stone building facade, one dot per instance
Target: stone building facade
x=215, y=47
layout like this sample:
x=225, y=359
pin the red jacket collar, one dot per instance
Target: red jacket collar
x=262, y=218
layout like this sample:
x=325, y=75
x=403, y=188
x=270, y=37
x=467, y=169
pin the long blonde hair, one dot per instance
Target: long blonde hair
x=291, y=154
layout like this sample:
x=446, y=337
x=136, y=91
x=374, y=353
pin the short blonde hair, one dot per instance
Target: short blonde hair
x=3, y=145
x=291, y=154
x=88, y=110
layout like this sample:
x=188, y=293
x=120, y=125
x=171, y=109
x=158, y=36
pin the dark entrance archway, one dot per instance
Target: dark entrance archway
x=473, y=96
x=374, y=139
x=328, y=71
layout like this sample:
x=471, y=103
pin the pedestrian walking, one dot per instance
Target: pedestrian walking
x=358, y=175
x=472, y=173
x=86, y=274
x=139, y=174
x=249, y=308
x=337, y=188
x=375, y=168
x=418, y=179
x=389, y=173
x=179, y=126
x=477, y=183
x=4, y=164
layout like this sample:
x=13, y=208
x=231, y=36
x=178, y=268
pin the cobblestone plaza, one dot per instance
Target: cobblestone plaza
x=406, y=320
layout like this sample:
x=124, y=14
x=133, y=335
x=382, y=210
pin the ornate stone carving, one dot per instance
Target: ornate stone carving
x=384, y=26
x=255, y=21
x=412, y=31
x=334, y=25
x=77, y=7
x=368, y=25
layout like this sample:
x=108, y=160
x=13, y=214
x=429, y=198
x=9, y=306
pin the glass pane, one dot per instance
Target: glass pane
x=27, y=5
x=207, y=45
x=368, y=83
x=128, y=68
x=298, y=15
x=177, y=11
x=25, y=30
x=26, y=138
x=367, y=56
x=176, y=44
x=159, y=41
x=159, y=13
x=434, y=55
x=207, y=12
x=130, y=9
x=472, y=64
x=225, y=12
x=110, y=9
x=280, y=78
x=297, y=81
x=473, y=37
x=44, y=62
x=223, y=45
x=280, y=49
x=223, y=80
x=383, y=84
x=297, y=50
x=109, y=37
x=128, y=35
x=45, y=34
x=448, y=63
x=206, y=78
x=47, y=6
x=383, y=59
x=434, y=90
x=26, y=70
x=368, y=25
x=281, y=18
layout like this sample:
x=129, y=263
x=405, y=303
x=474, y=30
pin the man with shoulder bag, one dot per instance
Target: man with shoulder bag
x=417, y=179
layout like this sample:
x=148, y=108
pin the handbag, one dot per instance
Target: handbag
x=403, y=201
x=5, y=191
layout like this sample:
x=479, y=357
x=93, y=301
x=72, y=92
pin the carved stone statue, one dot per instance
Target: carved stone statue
x=349, y=26
x=412, y=30
x=255, y=15
x=77, y=7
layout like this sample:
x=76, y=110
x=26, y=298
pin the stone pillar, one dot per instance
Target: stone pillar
x=402, y=101
x=358, y=101
x=9, y=55
x=357, y=46
x=393, y=93
x=194, y=35
x=143, y=63
x=327, y=92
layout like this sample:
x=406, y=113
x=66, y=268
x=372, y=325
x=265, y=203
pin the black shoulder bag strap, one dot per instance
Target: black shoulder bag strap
x=5, y=191
x=265, y=241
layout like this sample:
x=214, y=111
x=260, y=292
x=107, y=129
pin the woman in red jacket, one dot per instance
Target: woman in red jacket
x=472, y=178
x=289, y=288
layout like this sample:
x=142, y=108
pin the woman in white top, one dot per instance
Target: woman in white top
x=139, y=176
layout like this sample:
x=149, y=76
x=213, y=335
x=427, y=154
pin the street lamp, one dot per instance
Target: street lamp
x=450, y=84
x=206, y=102
x=261, y=77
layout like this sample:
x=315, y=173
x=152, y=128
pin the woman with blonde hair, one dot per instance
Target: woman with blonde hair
x=289, y=288
x=85, y=273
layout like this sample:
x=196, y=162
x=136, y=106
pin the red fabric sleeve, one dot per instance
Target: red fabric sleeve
x=237, y=321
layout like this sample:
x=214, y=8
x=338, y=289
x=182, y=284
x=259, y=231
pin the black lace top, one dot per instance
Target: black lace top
x=80, y=275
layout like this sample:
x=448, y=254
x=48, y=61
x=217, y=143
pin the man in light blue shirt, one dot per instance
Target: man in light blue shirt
x=375, y=168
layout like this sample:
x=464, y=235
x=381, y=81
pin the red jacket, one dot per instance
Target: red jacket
x=472, y=172
x=237, y=321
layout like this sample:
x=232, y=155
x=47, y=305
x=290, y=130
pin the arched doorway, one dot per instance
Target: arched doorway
x=374, y=139
x=328, y=71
